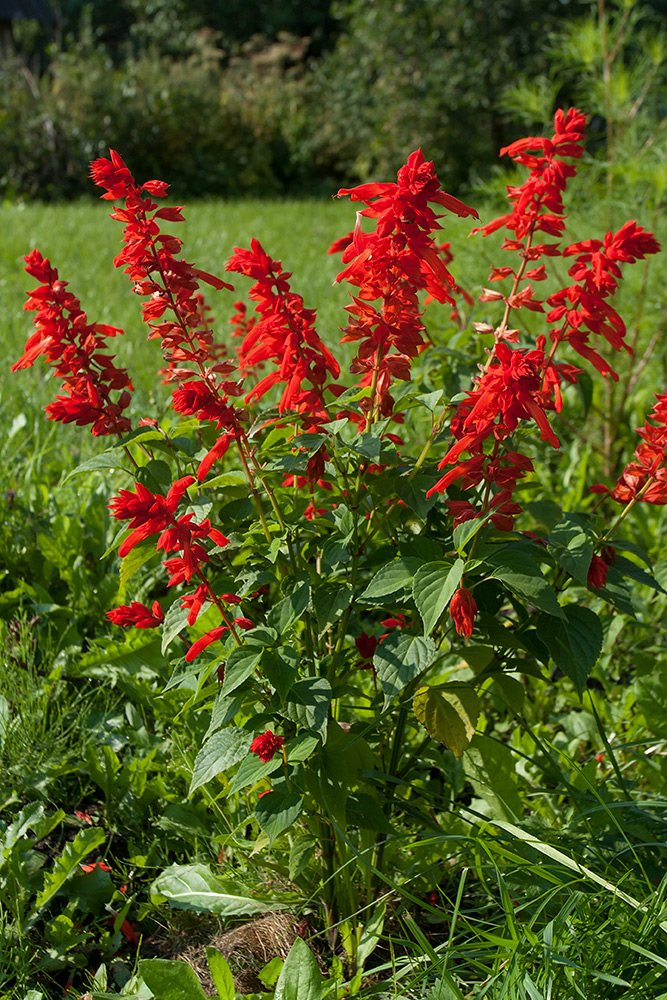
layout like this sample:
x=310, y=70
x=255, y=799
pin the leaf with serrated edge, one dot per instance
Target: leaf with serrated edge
x=392, y=578
x=220, y=751
x=448, y=714
x=195, y=887
x=74, y=853
x=399, y=659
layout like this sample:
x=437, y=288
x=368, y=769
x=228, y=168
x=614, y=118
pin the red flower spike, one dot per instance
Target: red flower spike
x=285, y=335
x=266, y=745
x=76, y=349
x=462, y=610
x=137, y=614
x=392, y=264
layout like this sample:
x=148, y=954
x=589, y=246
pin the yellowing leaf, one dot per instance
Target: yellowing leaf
x=448, y=714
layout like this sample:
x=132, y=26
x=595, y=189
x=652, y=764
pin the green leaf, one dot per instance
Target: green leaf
x=523, y=577
x=400, y=658
x=169, y=980
x=301, y=854
x=220, y=974
x=301, y=747
x=133, y=561
x=449, y=714
x=290, y=609
x=252, y=770
x=220, y=751
x=240, y=664
x=391, y=579
x=175, y=620
x=468, y=529
x=330, y=602
x=432, y=589
x=156, y=476
x=308, y=704
x=68, y=862
x=300, y=978
x=196, y=887
x=371, y=935
x=98, y=463
x=277, y=811
x=281, y=669
x=571, y=543
x=574, y=644
x=490, y=766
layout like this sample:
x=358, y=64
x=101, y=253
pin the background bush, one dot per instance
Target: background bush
x=273, y=97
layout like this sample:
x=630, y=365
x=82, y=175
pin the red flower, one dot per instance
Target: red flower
x=462, y=610
x=597, y=573
x=76, y=350
x=647, y=473
x=391, y=265
x=151, y=262
x=96, y=864
x=366, y=646
x=265, y=746
x=285, y=334
x=137, y=614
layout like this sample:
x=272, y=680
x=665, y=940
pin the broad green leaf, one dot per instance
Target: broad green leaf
x=301, y=747
x=468, y=529
x=175, y=620
x=400, y=658
x=432, y=589
x=240, y=664
x=252, y=770
x=220, y=974
x=196, y=887
x=277, y=811
x=98, y=463
x=29, y=816
x=391, y=579
x=491, y=769
x=281, y=669
x=133, y=561
x=156, y=476
x=270, y=972
x=220, y=751
x=574, y=644
x=300, y=978
x=290, y=609
x=571, y=544
x=68, y=862
x=169, y=980
x=308, y=704
x=449, y=714
x=301, y=854
x=523, y=577
x=330, y=602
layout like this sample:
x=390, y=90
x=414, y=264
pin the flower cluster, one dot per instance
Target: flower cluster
x=285, y=334
x=390, y=265
x=150, y=260
x=154, y=514
x=582, y=306
x=77, y=351
x=645, y=478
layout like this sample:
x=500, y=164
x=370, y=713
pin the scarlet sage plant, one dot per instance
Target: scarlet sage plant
x=347, y=567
